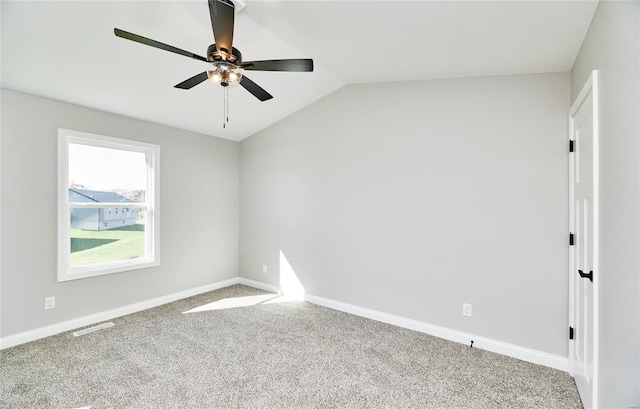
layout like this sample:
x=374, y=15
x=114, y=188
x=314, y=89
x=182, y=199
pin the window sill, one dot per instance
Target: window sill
x=111, y=268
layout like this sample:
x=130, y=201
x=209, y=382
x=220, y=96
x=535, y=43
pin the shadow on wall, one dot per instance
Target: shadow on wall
x=290, y=286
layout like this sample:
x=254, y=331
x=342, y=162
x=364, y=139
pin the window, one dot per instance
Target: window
x=96, y=176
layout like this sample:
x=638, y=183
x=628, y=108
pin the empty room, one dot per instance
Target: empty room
x=320, y=204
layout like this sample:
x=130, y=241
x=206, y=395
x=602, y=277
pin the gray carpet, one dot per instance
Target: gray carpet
x=271, y=355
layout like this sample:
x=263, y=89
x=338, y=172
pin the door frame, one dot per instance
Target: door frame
x=590, y=86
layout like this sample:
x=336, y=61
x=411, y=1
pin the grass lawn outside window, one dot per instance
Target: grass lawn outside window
x=104, y=246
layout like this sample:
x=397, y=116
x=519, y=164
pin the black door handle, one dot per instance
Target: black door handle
x=589, y=276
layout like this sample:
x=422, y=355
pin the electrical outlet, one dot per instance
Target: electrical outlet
x=264, y=268
x=49, y=303
x=466, y=310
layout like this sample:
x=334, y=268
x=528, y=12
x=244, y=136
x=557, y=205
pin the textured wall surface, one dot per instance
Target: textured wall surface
x=612, y=46
x=412, y=198
x=198, y=226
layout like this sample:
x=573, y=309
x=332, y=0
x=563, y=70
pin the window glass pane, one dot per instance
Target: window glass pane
x=108, y=213
x=98, y=237
x=94, y=172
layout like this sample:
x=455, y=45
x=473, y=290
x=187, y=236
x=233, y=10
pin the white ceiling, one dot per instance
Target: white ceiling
x=67, y=51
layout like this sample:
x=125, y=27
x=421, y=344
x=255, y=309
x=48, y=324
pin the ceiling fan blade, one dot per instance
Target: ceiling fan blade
x=156, y=44
x=222, y=13
x=298, y=65
x=255, y=89
x=193, y=81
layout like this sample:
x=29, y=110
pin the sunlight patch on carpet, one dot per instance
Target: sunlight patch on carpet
x=235, y=302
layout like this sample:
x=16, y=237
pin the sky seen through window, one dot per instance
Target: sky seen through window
x=106, y=169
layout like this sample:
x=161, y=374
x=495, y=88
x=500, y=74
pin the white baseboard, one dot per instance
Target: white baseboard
x=260, y=285
x=514, y=351
x=38, y=333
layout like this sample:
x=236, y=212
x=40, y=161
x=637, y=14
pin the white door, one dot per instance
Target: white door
x=584, y=255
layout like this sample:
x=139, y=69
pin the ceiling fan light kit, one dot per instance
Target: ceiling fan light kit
x=226, y=59
x=224, y=78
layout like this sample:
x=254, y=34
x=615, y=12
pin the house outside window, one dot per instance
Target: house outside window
x=96, y=176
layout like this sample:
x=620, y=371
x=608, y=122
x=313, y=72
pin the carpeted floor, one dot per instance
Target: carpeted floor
x=269, y=355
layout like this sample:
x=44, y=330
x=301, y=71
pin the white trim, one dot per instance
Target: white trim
x=590, y=86
x=584, y=92
x=596, y=234
x=515, y=351
x=152, y=204
x=572, y=229
x=503, y=348
x=260, y=285
x=38, y=333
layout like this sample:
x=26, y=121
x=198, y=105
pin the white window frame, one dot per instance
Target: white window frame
x=152, y=202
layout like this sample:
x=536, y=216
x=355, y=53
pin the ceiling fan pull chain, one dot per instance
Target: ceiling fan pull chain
x=224, y=109
x=227, y=103
x=224, y=57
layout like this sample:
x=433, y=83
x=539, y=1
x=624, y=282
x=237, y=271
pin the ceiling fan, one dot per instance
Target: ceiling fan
x=225, y=58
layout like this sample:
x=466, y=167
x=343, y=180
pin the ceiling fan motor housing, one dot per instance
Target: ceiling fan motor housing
x=225, y=58
x=214, y=55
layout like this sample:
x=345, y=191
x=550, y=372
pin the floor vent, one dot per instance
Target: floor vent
x=93, y=329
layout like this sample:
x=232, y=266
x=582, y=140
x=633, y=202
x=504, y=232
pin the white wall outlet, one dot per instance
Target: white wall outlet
x=264, y=268
x=466, y=310
x=49, y=303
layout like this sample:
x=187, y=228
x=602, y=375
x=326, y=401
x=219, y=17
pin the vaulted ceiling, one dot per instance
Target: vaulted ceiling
x=67, y=51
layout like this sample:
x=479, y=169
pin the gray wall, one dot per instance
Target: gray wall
x=199, y=213
x=411, y=198
x=612, y=46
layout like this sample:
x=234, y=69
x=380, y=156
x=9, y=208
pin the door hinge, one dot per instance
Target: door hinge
x=571, y=147
x=571, y=239
x=570, y=332
x=588, y=275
